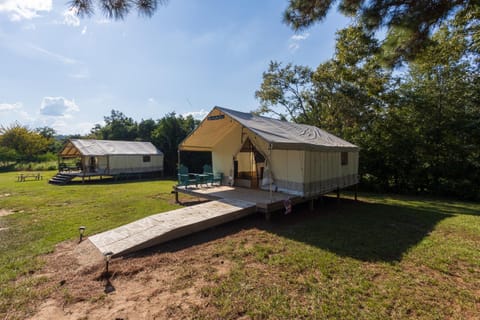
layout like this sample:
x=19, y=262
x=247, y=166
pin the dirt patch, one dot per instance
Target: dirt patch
x=5, y=195
x=5, y=212
x=164, y=282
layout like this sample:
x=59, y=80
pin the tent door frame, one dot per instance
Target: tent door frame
x=252, y=178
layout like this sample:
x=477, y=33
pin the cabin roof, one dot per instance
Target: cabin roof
x=92, y=147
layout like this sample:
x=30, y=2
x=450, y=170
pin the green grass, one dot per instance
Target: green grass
x=46, y=215
x=385, y=257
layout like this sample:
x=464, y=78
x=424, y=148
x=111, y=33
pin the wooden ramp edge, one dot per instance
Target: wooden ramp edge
x=170, y=225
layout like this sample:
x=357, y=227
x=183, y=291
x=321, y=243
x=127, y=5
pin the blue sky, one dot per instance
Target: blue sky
x=68, y=73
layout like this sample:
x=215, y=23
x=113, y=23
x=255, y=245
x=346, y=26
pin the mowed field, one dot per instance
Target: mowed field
x=383, y=257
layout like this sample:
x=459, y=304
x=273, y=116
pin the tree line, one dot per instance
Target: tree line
x=418, y=126
x=18, y=143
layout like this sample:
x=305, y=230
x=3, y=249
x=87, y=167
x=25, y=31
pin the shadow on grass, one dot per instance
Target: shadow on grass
x=360, y=230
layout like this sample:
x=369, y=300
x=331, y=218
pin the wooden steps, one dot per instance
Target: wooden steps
x=61, y=179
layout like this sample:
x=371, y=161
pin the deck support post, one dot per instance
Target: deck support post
x=338, y=195
x=356, y=192
x=311, y=204
x=176, y=197
x=268, y=215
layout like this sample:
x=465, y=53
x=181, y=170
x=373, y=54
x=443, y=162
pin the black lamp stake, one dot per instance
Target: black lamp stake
x=108, y=256
x=81, y=230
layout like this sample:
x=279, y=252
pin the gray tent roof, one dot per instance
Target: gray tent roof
x=90, y=147
x=279, y=134
x=282, y=133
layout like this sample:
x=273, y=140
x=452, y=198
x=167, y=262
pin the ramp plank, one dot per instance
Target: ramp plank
x=169, y=225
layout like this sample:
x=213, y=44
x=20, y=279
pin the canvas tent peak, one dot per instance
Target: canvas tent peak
x=277, y=133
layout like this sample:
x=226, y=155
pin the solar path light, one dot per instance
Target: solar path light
x=108, y=256
x=81, y=230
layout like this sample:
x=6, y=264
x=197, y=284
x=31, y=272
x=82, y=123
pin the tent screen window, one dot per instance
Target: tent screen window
x=146, y=158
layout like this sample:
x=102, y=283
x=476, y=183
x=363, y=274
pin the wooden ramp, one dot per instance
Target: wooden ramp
x=170, y=225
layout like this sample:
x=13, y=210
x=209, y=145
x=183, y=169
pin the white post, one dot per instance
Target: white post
x=270, y=171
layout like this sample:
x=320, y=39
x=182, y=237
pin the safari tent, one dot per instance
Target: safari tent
x=110, y=157
x=259, y=152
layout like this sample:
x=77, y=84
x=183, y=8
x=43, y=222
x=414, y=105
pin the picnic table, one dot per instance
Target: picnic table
x=22, y=177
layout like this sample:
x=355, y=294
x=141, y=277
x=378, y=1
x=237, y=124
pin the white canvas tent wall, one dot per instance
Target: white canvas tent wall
x=114, y=157
x=299, y=159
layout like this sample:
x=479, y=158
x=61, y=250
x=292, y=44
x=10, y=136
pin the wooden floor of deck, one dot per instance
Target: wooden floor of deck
x=265, y=201
x=170, y=225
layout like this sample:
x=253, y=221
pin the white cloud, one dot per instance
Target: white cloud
x=10, y=106
x=299, y=37
x=84, y=30
x=24, y=9
x=55, y=112
x=198, y=115
x=63, y=125
x=12, y=112
x=70, y=18
x=293, y=47
x=58, y=107
x=295, y=41
x=56, y=56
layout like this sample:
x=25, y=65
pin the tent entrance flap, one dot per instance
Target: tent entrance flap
x=250, y=164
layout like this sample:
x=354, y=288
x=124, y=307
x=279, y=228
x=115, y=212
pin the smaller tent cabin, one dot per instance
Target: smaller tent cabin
x=259, y=152
x=110, y=157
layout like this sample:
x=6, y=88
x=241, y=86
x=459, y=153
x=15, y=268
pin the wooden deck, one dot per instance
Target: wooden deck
x=170, y=225
x=263, y=200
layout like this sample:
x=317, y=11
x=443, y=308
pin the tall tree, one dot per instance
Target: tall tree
x=115, y=9
x=170, y=131
x=441, y=99
x=145, y=129
x=341, y=95
x=409, y=24
x=286, y=92
x=117, y=127
x=27, y=143
x=7, y=155
x=50, y=133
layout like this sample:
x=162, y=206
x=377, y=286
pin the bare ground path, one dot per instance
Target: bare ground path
x=163, y=283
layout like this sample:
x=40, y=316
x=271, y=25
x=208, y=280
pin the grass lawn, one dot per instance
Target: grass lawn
x=383, y=257
x=45, y=215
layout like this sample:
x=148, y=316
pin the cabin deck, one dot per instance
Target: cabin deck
x=170, y=225
x=265, y=201
x=65, y=177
